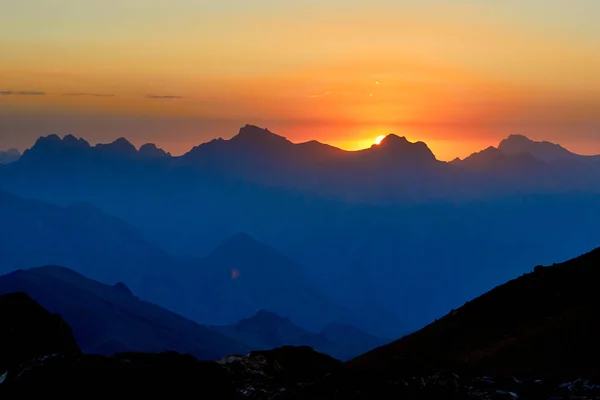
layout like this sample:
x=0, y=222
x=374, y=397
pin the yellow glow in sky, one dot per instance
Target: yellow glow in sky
x=181, y=72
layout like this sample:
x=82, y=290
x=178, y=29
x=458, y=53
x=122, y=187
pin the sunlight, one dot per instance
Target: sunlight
x=379, y=139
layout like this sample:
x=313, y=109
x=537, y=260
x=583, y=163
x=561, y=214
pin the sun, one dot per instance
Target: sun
x=379, y=139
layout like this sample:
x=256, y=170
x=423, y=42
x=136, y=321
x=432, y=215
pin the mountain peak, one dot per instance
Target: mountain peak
x=544, y=151
x=401, y=148
x=121, y=146
x=150, y=150
x=252, y=134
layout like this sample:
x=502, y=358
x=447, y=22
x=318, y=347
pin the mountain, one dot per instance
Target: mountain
x=544, y=323
x=109, y=250
x=493, y=158
x=81, y=237
x=267, y=330
x=53, y=149
x=242, y=276
x=108, y=319
x=544, y=151
x=40, y=358
x=44, y=360
x=9, y=156
x=30, y=331
x=366, y=229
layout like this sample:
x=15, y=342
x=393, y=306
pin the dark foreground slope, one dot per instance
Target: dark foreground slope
x=39, y=357
x=543, y=323
x=107, y=319
x=535, y=337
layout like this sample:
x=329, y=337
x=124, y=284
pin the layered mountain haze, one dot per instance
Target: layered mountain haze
x=374, y=231
x=109, y=319
x=240, y=277
x=267, y=330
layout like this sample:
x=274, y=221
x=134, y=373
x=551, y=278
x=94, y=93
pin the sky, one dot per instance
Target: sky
x=457, y=74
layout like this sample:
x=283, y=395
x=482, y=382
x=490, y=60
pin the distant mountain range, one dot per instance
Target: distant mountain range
x=108, y=319
x=240, y=277
x=266, y=330
x=373, y=231
x=534, y=337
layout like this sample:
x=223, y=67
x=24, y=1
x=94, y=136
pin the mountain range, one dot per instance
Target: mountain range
x=109, y=319
x=374, y=231
x=534, y=337
x=266, y=330
x=238, y=278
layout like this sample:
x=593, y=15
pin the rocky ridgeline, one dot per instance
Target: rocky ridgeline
x=38, y=356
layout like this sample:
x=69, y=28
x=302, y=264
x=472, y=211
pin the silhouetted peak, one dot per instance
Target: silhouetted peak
x=54, y=147
x=150, y=150
x=251, y=134
x=121, y=287
x=121, y=147
x=72, y=141
x=400, y=147
x=393, y=139
x=545, y=151
x=54, y=141
x=45, y=140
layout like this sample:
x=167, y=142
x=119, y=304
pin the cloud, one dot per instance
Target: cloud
x=22, y=93
x=319, y=95
x=89, y=94
x=152, y=96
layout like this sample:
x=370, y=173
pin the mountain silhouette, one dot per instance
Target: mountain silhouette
x=108, y=319
x=544, y=323
x=365, y=227
x=267, y=330
x=79, y=236
x=544, y=151
x=494, y=159
x=399, y=148
x=242, y=276
x=29, y=331
x=52, y=149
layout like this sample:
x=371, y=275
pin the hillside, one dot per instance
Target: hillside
x=544, y=323
x=108, y=319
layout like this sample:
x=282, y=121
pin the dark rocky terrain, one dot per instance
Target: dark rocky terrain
x=535, y=337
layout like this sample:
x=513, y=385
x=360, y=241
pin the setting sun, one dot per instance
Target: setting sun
x=379, y=139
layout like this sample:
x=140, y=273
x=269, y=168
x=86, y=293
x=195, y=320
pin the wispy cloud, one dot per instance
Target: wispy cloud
x=153, y=96
x=319, y=95
x=89, y=94
x=22, y=93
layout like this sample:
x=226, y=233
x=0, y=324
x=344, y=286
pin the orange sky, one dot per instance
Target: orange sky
x=459, y=75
